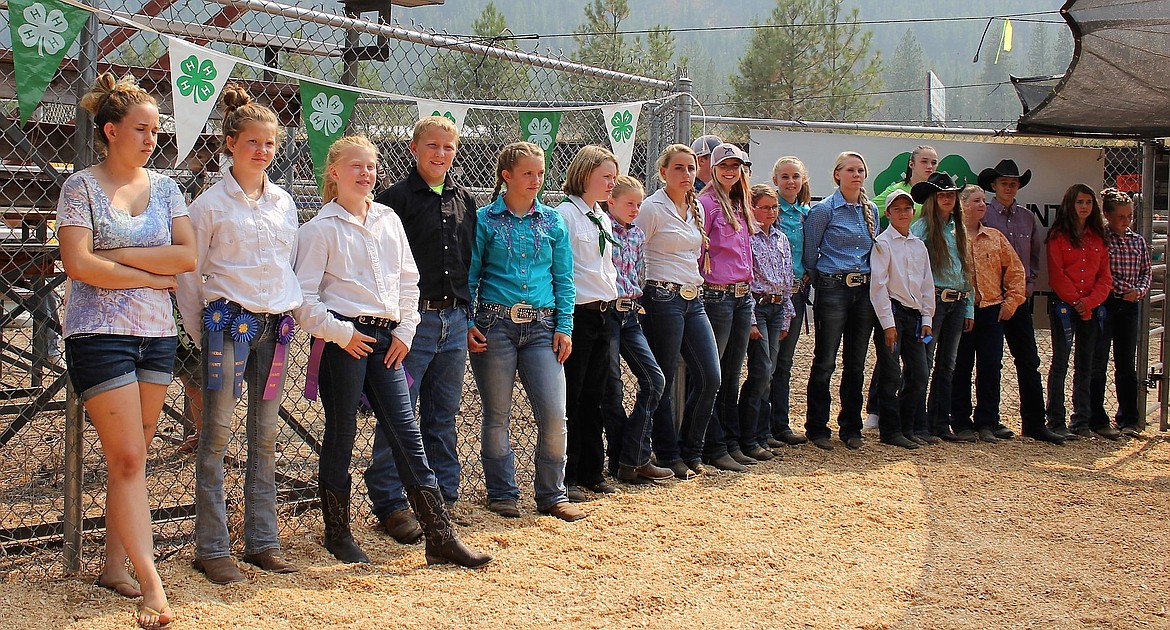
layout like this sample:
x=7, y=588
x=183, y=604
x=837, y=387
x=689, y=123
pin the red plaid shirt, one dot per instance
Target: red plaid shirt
x=1129, y=262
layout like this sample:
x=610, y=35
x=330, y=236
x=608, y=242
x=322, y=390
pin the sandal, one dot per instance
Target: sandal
x=151, y=619
x=125, y=588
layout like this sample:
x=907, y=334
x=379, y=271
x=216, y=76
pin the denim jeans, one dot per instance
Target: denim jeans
x=261, y=425
x=676, y=328
x=754, y=413
x=524, y=349
x=731, y=323
x=902, y=386
x=1020, y=335
x=628, y=437
x=940, y=362
x=437, y=362
x=1122, y=323
x=980, y=354
x=1084, y=333
x=782, y=376
x=343, y=380
x=585, y=374
x=841, y=313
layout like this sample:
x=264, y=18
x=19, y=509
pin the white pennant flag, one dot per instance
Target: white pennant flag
x=197, y=78
x=455, y=112
x=621, y=124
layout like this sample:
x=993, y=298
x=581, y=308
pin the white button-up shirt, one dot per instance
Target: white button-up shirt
x=354, y=269
x=673, y=245
x=244, y=247
x=593, y=273
x=900, y=268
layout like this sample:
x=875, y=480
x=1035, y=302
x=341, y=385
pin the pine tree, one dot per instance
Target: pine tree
x=453, y=75
x=816, y=64
x=1062, y=52
x=907, y=71
x=599, y=43
x=1038, y=51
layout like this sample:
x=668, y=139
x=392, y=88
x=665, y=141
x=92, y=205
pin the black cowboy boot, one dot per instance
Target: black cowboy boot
x=442, y=543
x=338, y=539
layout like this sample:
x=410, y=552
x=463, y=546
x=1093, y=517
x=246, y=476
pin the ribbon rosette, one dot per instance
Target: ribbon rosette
x=216, y=318
x=244, y=329
x=285, y=331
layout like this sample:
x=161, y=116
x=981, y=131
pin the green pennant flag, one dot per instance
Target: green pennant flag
x=540, y=128
x=325, y=111
x=42, y=31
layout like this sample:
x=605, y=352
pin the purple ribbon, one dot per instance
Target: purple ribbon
x=313, y=369
x=284, y=334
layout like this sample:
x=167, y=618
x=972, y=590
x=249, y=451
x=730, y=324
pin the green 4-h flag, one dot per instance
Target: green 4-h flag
x=540, y=128
x=325, y=111
x=42, y=31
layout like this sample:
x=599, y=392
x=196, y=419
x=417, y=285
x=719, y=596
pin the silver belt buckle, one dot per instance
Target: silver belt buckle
x=741, y=289
x=624, y=305
x=950, y=295
x=522, y=313
x=854, y=280
x=688, y=291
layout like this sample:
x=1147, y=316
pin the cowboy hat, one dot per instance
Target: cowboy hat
x=937, y=182
x=1005, y=168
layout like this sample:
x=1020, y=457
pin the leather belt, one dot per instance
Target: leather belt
x=438, y=305
x=951, y=295
x=769, y=298
x=851, y=279
x=519, y=313
x=738, y=289
x=685, y=291
x=598, y=305
x=625, y=305
x=371, y=320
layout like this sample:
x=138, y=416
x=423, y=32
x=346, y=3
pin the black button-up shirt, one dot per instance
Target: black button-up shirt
x=440, y=230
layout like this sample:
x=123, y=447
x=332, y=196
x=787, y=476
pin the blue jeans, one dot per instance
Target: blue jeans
x=343, y=380
x=980, y=355
x=261, y=422
x=1084, y=333
x=585, y=374
x=525, y=349
x=1122, y=323
x=841, y=313
x=628, y=437
x=437, y=362
x=940, y=361
x=676, y=328
x=754, y=412
x=902, y=386
x=782, y=376
x=731, y=323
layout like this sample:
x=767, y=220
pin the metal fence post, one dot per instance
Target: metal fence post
x=682, y=126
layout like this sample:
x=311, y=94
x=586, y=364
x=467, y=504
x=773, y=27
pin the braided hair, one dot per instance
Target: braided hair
x=508, y=158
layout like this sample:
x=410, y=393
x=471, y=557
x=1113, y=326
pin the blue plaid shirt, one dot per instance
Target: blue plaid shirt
x=837, y=238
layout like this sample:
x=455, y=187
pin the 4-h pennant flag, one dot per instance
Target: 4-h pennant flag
x=197, y=79
x=540, y=128
x=326, y=111
x=42, y=31
x=621, y=125
x=455, y=112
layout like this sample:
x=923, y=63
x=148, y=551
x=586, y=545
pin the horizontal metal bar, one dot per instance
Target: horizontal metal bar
x=806, y=124
x=1160, y=297
x=1158, y=332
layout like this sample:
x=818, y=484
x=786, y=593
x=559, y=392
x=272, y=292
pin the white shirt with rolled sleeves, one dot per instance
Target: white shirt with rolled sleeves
x=244, y=247
x=355, y=269
x=593, y=272
x=900, y=269
x=673, y=244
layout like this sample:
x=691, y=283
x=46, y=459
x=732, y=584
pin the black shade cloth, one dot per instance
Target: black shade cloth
x=1119, y=81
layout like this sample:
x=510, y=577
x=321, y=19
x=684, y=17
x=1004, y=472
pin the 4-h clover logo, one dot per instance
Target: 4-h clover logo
x=196, y=78
x=623, y=126
x=540, y=132
x=326, y=116
x=43, y=30
x=447, y=115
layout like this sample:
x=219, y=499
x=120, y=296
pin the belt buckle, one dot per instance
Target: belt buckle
x=623, y=305
x=853, y=279
x=688, y=291
x=741, y=289
x=522, y=313
x=950, y=295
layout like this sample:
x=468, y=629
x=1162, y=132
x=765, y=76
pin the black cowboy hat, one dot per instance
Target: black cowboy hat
x=937, y=182
x=1005, y=168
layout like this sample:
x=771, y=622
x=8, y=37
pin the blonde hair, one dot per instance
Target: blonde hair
x=739, y=198
x=508, y=157
x=434, y=123
x=626, y=185
x=581, y=168
x=110, y=99
x=804, y=196
x=336, y=152
x=693, y=213
x=965, y=194
x=239, y=109
x=862, y=197
x=763, y=190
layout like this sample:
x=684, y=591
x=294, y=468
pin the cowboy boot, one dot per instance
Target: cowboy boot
x=338, y=538
x=443, y=545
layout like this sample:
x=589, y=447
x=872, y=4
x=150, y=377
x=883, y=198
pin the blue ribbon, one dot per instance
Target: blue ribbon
x=244, y=329
x=216, y=318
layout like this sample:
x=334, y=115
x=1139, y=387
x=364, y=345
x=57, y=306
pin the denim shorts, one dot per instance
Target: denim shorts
x=99, y=363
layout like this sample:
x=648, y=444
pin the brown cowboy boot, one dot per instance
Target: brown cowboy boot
x=443, y=545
